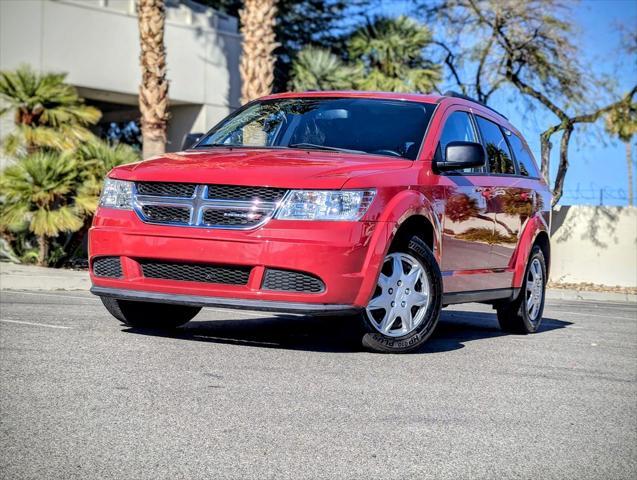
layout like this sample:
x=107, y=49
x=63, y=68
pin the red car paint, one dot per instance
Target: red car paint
x=345, y=255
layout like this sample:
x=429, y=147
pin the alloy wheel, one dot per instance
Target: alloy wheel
x=534, y=290
x=402, y=296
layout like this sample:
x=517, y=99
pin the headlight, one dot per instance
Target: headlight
x=325, y=204
x=117, y=194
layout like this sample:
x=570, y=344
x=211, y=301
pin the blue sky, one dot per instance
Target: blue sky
x=597, y=162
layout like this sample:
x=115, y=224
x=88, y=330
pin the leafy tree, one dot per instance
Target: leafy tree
x=530, y=46
x=36, y=195
x=258, y=18
x=153, y=90
x=48, y=113
x=391, y=53
x=622, y=123
x=319, y=69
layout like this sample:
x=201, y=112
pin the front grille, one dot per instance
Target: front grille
x=212, y=206
x=107, y=267
x=233, y=217
x=166, y=214
x=290, y=281
x=193, y=272
x=237, y=192
x=161, y=189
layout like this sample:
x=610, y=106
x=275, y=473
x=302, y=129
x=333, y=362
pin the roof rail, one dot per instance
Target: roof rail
x=451, y=93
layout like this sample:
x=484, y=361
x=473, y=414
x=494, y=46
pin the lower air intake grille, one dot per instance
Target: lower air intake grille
x=191, y=272
x=107, y=267
x=290, y=281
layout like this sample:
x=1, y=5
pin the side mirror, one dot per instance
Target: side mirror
x=459, y=155
x=190, y=139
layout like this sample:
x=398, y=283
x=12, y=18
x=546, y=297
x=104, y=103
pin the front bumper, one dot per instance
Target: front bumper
x=346, y=256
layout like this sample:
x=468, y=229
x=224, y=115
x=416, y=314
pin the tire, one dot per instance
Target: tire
x=159, y=316
x=381, y=333
x=517, y=316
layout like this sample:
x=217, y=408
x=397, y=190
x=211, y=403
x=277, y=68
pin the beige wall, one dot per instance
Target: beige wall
x=96, y=42
x=594, y=245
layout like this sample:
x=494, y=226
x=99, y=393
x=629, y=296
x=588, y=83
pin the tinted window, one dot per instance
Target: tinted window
x=458, y=128
x=383, y=127
x=498, y=154
x=523, y=156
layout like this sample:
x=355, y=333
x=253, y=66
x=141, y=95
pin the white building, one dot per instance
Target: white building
x=97, y=43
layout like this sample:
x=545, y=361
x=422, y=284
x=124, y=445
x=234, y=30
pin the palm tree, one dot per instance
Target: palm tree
x=319, y=69
x=36, y=195
x=153, y=91
x=622, y=123
x=95, y=159
x=258, y=18
x=391, y=50
x=48, y=112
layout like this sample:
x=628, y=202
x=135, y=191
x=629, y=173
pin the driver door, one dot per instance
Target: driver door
x=467, y=224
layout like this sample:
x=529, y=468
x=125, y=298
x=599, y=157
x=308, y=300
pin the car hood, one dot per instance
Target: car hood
x=259, y=167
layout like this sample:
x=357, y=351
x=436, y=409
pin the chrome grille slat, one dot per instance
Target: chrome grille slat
x=210, y=206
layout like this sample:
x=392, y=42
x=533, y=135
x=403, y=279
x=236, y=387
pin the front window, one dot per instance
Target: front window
x=371, y=126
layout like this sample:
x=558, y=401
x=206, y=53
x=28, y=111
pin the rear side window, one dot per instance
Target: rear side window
x=524, y=157
x=498, y=153
x=458, y=128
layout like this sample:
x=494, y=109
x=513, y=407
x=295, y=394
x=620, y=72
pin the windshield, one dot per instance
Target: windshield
x=372, y=126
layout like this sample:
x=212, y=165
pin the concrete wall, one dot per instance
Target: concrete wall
x=96, y=42
x=594, y=245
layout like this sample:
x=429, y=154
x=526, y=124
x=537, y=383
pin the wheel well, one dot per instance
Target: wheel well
x=542, y=241
x=415, y=225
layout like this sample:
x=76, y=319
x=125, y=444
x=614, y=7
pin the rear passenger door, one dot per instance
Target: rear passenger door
x=509, y=197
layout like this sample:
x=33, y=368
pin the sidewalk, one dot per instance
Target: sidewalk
x=28, y=277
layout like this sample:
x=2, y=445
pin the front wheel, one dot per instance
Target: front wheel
x=405, y=306
x=524, y=314
x=160, y=316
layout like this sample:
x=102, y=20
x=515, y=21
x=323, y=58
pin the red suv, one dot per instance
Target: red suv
x=389, y=206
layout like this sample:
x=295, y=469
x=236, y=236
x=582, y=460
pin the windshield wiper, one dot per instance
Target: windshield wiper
x=312, y=146
x=208, y=145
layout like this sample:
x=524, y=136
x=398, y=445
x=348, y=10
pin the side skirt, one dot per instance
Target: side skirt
x=480, y=296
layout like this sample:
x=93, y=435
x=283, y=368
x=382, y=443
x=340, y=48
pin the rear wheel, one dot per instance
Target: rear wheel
x=161, y=316
x=405, y=307
x=524, y=314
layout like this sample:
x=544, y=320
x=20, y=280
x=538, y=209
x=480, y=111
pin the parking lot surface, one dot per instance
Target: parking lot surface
x=244, y=395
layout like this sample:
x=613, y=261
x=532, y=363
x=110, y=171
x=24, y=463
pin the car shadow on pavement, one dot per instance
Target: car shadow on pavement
x=335, y=334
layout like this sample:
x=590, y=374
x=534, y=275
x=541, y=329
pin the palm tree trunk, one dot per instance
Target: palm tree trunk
x=258, y=18
x=43, y=250
x=629, y=164
x=153, y=91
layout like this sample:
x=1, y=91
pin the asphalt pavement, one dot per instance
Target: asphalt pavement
x=246, y=395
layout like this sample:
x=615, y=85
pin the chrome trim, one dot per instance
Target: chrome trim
x=199, y=203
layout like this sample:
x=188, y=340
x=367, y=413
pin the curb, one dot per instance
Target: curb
x=564, y=294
